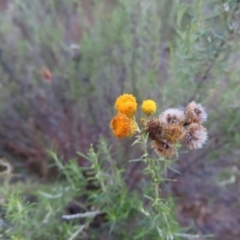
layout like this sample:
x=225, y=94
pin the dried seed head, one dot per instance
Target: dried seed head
x=164, y=149
x=196, y=136
x=196, y=112
x=154, y=129
x=173, y=133
x=172, y=115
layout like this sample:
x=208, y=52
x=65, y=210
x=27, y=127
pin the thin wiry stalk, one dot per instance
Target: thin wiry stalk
x=151, y=167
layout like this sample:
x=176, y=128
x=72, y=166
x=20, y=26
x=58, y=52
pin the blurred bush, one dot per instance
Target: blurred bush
x=62, y=64
x=90, y=203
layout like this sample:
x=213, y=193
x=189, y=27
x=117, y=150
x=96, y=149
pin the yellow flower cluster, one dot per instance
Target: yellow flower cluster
x=149, y=107
x=124, y=124
x=126, y=104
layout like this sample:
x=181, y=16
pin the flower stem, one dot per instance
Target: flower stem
x=152, y=168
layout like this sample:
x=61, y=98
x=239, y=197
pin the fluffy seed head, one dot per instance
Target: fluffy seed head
x=164, y=149
x=154, y=128
x=196, y=136
x=123, y=126
x=126, y=104
x=196, y=112
x=173, y=133
x=172, y=115
x=149, y=107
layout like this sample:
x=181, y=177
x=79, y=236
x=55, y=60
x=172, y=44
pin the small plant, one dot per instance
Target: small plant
x=94, y=202
x=172, y=127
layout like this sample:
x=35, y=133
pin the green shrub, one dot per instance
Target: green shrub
x=172, y=51
x=87, y=203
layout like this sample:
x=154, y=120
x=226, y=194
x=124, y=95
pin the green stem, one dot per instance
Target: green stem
x=151, y=164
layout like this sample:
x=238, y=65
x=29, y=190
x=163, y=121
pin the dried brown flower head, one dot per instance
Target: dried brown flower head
x=164, y=149
x=47, y=75
x=154, y=129
x=196, y=112
x=172, y=115
x=173, y=133
x=196, y=136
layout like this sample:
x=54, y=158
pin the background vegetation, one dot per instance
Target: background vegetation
x=172, y=51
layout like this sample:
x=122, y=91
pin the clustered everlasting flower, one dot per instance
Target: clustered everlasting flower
x=126, y=104
x=123, y=126
x=149, y=107
x=171, y=127
x=124, y=123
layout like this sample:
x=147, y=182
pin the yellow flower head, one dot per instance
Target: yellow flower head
x=126, y=104
x=149, y=107
x=123, y=126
